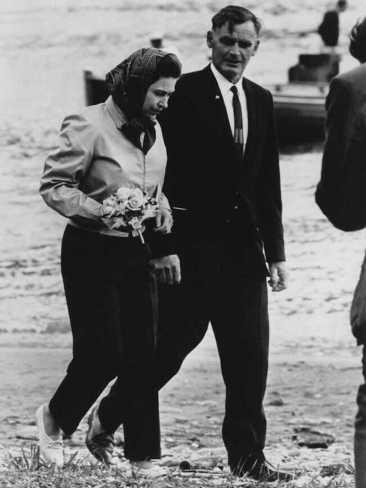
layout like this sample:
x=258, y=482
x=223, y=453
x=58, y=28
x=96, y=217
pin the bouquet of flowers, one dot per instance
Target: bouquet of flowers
x=128, y=208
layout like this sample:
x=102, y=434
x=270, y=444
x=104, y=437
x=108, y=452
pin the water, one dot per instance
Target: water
x=45, y=45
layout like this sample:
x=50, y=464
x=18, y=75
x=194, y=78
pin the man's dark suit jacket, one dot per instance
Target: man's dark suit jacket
x=341, y=192
x=225, y=196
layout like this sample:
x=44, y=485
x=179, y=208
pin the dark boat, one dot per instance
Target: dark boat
x=299, y=110
x=95, y=88
x=298, y=105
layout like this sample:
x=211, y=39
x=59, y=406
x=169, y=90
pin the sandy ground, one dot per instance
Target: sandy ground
x=315, y=365
x=308, y=387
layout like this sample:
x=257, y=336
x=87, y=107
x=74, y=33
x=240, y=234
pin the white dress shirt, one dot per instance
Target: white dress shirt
x=227, y=95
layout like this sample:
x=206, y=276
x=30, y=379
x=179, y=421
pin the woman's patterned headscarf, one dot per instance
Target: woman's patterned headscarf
x=128, y=84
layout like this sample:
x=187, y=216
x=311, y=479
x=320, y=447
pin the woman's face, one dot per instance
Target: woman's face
x=157, y=97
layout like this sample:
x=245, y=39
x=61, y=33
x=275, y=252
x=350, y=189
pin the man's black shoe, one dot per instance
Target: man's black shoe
x=261, y=470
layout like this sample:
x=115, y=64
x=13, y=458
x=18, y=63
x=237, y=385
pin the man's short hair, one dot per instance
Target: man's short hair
x=234, y=15
x=357, y=45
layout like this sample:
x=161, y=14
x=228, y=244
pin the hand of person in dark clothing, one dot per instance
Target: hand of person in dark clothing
x=278, y=276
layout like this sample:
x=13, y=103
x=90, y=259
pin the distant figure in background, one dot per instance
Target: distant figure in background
x=158, y=42
x=341, y=194
x=329, y=28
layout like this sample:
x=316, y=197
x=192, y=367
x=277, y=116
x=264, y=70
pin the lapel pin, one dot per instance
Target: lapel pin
x=217, y=97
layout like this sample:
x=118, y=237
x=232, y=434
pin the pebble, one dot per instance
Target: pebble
x=313, y=439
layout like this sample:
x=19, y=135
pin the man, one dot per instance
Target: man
x=341, y=194
x=223, y=181
x=329, y=28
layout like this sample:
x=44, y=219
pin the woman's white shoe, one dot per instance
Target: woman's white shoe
x=147, y=469
x=51, y=450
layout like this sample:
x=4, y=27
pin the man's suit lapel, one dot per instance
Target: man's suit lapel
x=216, y=114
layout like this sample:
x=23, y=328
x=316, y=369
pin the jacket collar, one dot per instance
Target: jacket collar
x=214, y=105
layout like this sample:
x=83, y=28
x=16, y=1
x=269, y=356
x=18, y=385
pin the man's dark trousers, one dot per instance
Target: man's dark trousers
x=215, y=289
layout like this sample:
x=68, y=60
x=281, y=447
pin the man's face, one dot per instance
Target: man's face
x=157, y=97
x=232, y=50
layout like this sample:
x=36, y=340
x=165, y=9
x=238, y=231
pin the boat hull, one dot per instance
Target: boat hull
x=299, y=111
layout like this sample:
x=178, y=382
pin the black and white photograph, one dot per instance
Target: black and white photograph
x=182, y=244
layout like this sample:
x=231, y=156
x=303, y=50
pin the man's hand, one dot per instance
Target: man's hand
x=167, y=269
x=278, y=276
x=164, y=221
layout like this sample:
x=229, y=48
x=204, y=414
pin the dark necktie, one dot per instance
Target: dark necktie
x=238, y=122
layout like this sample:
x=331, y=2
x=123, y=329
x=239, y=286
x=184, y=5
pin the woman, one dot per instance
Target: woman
x=105, y=271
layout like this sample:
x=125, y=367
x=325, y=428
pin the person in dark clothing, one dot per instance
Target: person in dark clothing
x=340, y=195
x=329, y=28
